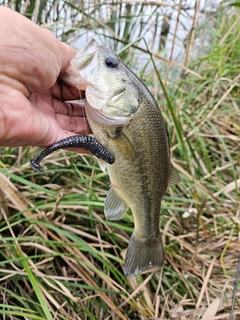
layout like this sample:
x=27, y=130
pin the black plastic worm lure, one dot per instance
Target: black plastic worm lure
x=83, y=141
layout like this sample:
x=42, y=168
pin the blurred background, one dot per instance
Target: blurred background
x=60, y=258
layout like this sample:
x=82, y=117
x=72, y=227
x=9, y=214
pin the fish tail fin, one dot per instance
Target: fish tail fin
x=143, y=255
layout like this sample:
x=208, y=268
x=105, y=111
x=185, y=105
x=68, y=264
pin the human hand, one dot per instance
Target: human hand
x=32, y=108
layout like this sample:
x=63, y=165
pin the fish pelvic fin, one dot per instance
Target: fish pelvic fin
x=143, y=256
x=102, y=165
x=114, y=207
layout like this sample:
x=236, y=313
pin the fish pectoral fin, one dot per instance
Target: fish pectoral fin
x=143, y=256
x=174, y=177
x=122, y=143
x=114, y=207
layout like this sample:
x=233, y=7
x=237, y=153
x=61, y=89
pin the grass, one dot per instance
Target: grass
x=61, y=259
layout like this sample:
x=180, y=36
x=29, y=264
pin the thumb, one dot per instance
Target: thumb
x=67, y=53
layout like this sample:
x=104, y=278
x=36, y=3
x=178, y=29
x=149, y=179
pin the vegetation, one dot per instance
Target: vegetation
x=60, y=258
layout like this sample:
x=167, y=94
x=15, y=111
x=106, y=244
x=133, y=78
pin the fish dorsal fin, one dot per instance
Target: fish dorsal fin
x=114, y=207
x=123, y=144
x=174, y=177
x=102, y=164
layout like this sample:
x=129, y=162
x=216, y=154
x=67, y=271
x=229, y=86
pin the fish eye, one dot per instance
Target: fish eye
x=111, y=62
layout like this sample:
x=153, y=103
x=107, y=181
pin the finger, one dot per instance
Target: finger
x=78, y=125
x=69, y=108
x=67, y=53
x=76, y=92
x=63, y=92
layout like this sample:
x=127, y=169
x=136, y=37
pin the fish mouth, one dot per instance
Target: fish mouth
x=101, y=95
x=96, y=93
x=96, y=101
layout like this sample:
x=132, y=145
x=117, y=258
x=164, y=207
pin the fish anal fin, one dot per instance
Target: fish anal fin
x=174, y=177
x=114, y=207
x=143, y=256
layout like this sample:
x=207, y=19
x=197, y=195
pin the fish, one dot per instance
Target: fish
x=126, y=119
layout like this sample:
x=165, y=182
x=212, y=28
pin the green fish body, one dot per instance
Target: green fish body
x=126, y=119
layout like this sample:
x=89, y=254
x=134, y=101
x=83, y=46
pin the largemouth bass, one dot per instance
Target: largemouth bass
x=127, y=121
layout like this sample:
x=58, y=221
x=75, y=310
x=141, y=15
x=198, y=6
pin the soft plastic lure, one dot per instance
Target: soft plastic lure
x=78, y=141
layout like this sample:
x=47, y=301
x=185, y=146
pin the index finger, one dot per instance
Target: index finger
x=63, y=92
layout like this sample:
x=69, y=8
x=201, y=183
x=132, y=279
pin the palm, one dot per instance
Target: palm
x=41, y=119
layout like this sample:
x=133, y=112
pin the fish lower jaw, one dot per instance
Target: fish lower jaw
x=98, y=115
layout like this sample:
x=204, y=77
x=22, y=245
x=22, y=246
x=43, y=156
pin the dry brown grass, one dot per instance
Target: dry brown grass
x=61, y=259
